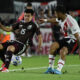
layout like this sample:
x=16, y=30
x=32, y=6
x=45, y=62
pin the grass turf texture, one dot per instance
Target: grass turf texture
x=33, y=69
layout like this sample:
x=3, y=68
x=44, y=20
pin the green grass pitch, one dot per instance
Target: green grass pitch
x=33, y=69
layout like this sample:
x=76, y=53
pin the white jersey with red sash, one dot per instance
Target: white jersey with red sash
x=69, y=27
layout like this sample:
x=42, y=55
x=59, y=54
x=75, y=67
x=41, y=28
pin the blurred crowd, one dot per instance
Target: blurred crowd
x=41, y=12
x=46, y=11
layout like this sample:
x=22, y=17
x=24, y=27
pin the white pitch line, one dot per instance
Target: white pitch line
x=37, y=68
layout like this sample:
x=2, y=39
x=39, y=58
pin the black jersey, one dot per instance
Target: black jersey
x=24, y=32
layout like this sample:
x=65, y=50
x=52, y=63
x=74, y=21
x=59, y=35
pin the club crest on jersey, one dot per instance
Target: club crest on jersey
x=29, y=27
x=20, y=26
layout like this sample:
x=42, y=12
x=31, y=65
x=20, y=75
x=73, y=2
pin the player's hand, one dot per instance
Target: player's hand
x=42, y=20
x=1, y=46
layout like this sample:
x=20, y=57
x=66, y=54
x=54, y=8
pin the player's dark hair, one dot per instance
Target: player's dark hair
x=60, y=8
x=29, y=11
x=29, y=4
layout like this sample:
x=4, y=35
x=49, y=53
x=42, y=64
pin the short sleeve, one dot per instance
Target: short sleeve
x=74, y=27
x=37, y=29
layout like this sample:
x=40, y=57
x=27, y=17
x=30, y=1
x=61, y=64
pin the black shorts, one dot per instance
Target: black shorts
x=67, y=42
x=19, y=47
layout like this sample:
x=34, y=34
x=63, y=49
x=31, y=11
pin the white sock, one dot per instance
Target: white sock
x=51, y=61
x=60, y=64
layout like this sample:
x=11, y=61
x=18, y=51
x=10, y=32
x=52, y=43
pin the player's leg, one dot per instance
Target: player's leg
x=2, y=57
x=10, y=50
x=1, y=53
x=53, y=48
x=15, y=48
x=61, y=61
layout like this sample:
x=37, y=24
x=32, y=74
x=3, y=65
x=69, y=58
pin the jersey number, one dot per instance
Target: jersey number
x=23, y=31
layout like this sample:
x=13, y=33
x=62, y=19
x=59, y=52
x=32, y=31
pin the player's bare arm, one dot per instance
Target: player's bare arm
x=1, y=47
x=77, y=36
x=51, y=20
x=5, y=28
x=78, y=41
x=39, y=42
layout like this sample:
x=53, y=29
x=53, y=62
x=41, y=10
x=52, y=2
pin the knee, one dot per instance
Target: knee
x=64, y=51
x=11, y=48
x=54, y=47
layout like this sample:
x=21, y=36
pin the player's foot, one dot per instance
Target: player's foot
x=5, y=70
x=50, y=70
x=2, y=67
x=57, y=72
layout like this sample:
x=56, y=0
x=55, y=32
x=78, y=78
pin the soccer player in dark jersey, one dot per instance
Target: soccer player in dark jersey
x=24, y=32
x=21, y=17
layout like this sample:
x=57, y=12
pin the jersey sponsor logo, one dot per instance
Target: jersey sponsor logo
x=29, y=27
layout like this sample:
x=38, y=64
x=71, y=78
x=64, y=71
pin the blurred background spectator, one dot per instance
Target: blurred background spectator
x=13, y=11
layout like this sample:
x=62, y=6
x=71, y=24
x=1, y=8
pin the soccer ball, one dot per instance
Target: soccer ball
x=16, y=60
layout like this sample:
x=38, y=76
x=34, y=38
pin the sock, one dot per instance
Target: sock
x=2, y=57
x=51, y=61
x=60, y=64
x=8, y=57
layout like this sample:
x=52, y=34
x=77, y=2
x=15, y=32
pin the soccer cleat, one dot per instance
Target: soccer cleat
x=5, y=70
x=50, y=71
x=2, y=67
x=57, y=72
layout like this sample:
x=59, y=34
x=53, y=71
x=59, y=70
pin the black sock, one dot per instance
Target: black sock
x=2, y=57
x=8, y=57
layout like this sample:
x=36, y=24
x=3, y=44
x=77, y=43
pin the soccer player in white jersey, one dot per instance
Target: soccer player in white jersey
x=70, y=30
